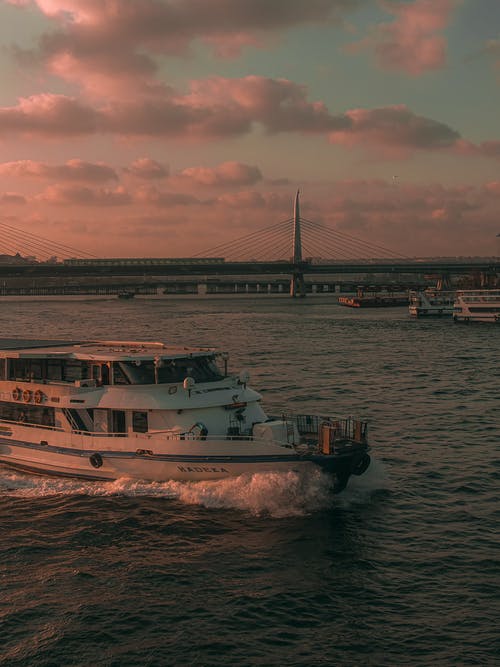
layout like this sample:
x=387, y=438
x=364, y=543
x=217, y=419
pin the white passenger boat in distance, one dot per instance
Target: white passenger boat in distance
x=431, y=303
x=480, y=305
x=104, y=410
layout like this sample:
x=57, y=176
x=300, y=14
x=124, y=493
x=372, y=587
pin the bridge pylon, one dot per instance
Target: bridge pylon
x=444, y=281
x=297, y=283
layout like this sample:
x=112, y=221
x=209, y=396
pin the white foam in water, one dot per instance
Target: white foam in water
x=278, y=494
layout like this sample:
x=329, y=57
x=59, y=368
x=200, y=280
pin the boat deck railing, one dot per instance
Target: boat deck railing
x=327, y=433
x=347, y=428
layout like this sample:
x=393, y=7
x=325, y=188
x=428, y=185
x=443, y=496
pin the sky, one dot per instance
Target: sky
x=163, y=128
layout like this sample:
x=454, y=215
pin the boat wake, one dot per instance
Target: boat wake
x=276, y=494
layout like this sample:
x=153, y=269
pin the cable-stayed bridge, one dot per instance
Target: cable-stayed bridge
x=296, y=247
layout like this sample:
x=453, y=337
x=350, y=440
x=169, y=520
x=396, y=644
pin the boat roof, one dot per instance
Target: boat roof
x=97, y=350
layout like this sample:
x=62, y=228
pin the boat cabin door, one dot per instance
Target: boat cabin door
x=119, y=424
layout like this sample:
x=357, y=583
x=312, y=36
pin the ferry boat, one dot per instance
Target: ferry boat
x=431, y=303
x=481, y=305
x=102, y=410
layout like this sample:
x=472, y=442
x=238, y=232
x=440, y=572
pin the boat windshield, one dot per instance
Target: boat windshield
x=201, y=369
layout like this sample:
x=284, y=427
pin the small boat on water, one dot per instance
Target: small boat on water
x=373, y=298
x=103, y=410
x=431, y=303
x=480, y=305
x=379, y=301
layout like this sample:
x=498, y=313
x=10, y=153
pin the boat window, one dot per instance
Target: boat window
x=202, y=369
x=140, y=422
x=72, y=370
x=2, y=369
x=29, y=414
x=136, y=372
x=119, y=375
x=54, y=369
x=37, y=369
x=19, y=369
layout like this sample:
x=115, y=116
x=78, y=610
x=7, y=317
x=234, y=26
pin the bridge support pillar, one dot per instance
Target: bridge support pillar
x=487, y=279
x=297, y=285
x=444, y=282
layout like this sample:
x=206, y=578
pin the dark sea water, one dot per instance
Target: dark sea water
x=401, y=569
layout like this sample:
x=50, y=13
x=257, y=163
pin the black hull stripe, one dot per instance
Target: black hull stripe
x=186, y=458
x=54, y=473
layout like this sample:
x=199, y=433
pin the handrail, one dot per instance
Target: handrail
x=308, y=426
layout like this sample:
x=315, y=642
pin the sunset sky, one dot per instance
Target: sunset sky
x=166, y=127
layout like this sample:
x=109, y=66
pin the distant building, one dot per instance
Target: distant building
x=16, y=259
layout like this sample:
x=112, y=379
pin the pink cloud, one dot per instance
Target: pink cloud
x=169, y=26
x=154, y=197
x=243, y=200
x=84, y=196
x=396, y=129
x=216, y=107
x=490, y=149
x=48, y=115
x=279, y=105
x=72, y=170
x=109, y=45
x=12, y=198
x=413, y=42
x=147, y=169
x=226, y=174
x=225, y=108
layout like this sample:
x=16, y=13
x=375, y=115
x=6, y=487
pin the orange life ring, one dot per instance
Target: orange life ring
x=26, y=395
x=16, y=394
x=38, y=396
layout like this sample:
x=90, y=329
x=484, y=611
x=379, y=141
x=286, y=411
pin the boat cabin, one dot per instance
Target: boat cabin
x=42, y=382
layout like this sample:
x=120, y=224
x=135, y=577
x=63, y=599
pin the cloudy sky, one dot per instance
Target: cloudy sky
x=165, y=127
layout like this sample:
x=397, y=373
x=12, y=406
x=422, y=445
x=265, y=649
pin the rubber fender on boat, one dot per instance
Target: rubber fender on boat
x=95, y=460
x=38, y=396
x=27, y=394
x=362, y=465
x=17, y=394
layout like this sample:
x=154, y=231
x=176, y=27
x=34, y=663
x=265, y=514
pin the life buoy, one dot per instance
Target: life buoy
x=16, y=394
x=27, y=395
x=95, y=460
x=38, y=396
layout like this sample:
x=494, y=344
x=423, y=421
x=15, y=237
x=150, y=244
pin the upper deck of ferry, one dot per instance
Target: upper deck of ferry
x=107, y=362
x=98, y=350
x=478, y=295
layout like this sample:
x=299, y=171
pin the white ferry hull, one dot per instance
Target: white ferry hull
x=430, y=311
x=491, y=318
x=112, y=465
x=477, y=306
